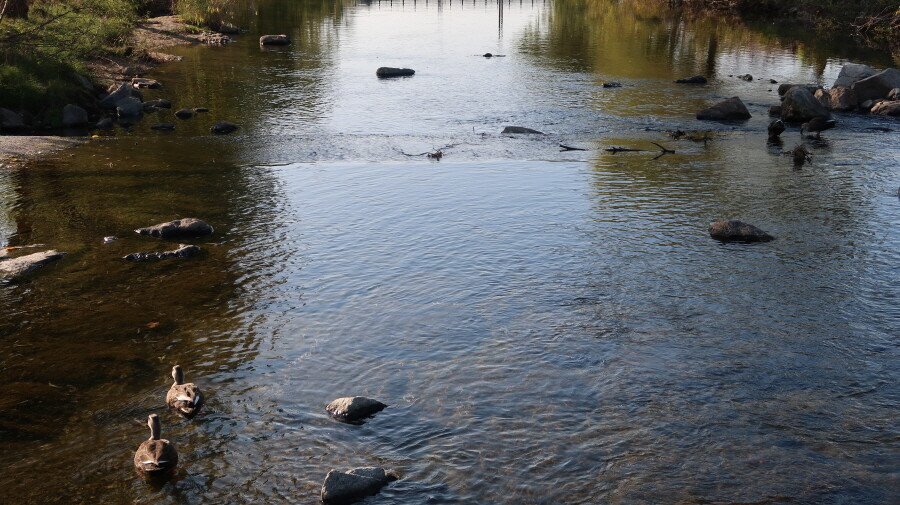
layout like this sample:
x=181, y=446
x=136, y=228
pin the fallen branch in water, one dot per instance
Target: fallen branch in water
x=437, y=154
x=662, y=150
x=563, y=147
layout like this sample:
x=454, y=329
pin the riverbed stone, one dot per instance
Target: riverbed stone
x=129, y=107
x=184, y=113
x=887, y=108
x=163, y=127
x=839, y=98
x=775, y=111
x=106, y=123
x=121, y=92
x=180, y=228
x=10, y=120
x=784, y=88
x=274, y=40
x=745, y=77
x=73, y=115
x=697, y=79
x=878, y=85
x=183, y=251
x=894, y=94
x=223, y=128
x=344, y=488
x=737, y=231
x=142, y=82
x=387, y=72
x=353, y=409
x=521, y=129
x=800, y=105
x=851, y=73
x=16, y=268
x=732, y=109
x=159, y=103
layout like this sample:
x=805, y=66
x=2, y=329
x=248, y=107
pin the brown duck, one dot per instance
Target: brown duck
x=183, y=398
x=156, y=455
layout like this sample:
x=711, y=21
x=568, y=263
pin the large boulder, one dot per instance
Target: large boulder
x=274, y=40
x=180, y=228
x=732, y=109
x=737, y=231
x=343, y=488
x=73, y=115
x=385, y=72
x=115, y=96
x=838, y=98
x=800, y=105
x=12, y=269
x=353, y=409
x=784, y=88
x=887, y=108
x=129, y=107
x=10, y=120
x=521, y=130
x=851, y=73
x=183, y=251
x=878, y=85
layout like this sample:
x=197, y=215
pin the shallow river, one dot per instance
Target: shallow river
x=547, y=327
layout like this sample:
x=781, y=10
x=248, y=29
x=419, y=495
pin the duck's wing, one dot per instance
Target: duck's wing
x=155, y=456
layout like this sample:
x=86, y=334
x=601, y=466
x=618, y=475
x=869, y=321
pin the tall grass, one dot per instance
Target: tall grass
x=210, y=13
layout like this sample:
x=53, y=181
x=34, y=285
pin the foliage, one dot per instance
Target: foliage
x=210, y=13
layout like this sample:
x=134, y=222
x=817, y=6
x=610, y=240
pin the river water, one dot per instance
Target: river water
x=547, y=327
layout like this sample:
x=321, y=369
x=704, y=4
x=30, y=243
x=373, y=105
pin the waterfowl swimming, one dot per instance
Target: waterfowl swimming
x=776, y=128
x=184, y=398
x=817, y=125
x=156, y=455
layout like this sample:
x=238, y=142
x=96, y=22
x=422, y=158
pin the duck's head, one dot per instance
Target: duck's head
x=153, y=423
x=178, y=374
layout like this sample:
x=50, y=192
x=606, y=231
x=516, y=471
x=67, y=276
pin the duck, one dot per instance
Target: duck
x=817, y=125
x=155, y=455
x=776, y=128
x=185, y=399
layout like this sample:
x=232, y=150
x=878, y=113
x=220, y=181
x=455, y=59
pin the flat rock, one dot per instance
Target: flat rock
x=129, y=107
x=183, y=251
x=14, y=268
x=180, y=228
x=878, y=85
x=732, y=109
x=887, y=108
x=223, y=128
x=697, y=79
x=800, y=105
x=73, y=115
x=342, y=488
x=737, y=231
x=353, y=409
x=521, y=129
x=274, y=40
x=386, y=72
x=851, y=73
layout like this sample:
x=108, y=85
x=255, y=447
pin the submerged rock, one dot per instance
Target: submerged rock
x=343, y=488
x=163, y=127
x=726, y=110
x=183, y=251
x=697, y=79
x=887, y=108
x=737, y=231
x=73, y=115
x=612, y=84
x=223, y=128
x=878, y=85
x=180, y=228
x=386, y=72
x=521, y=129
x=159, y=103
x=851, y=73
x=274, y=40
x=353, y=409
x=15, y=268
x=184, y=113
x=800, y=105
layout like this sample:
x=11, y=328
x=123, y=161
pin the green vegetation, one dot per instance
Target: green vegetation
x=210, y=13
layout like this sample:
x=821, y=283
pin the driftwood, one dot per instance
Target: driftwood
x=662, y=150
x=563, y=147
x=437, y=154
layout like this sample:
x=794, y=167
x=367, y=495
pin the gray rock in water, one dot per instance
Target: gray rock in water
x=612, y=84
x=697, y=79
x=180, y=228
x=73, y=115
x=353, y=409
x=878, y=85
x=343, y=488
x=141, y=82
x=159, y=103
x=184, y=113
x=386, y=72
x=129, y=107
x=521, y=129
x=183, y=251
x=10, y=120
x=112, y=100
x=851, y=73
x=775, y=111
x=737, y=231
x=229, y=29
x=105, y=124
x=886, y=108
x=894, y=94
x=784, y=88
x=223, y=128
x=800, y=105
x=745, y=77
x=732, y=109
x=867, y=105
x=15, y=268
x=274, y=40
x=163, y=127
